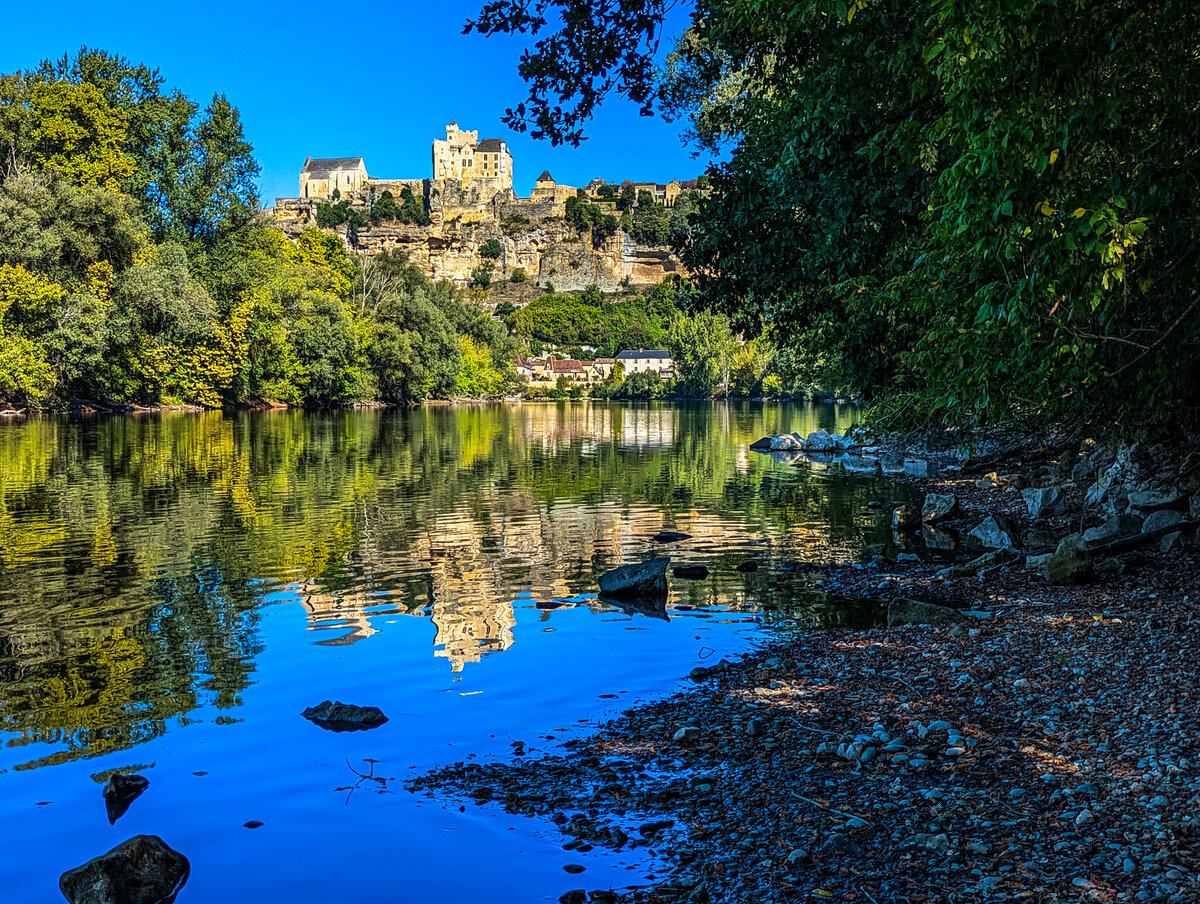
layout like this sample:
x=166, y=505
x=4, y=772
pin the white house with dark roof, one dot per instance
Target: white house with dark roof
x=320, y=176
x=654, y=360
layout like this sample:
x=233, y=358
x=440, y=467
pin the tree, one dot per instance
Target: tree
x=963, y=204
x=385, y=208
x=491, y=249
x=518, y=275
x=702, y=347
x=481, y=276
x=76, y=132
x=602, y=47
x=644, y=384
x=218, y=183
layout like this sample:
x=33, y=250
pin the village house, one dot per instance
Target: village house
x=653, y=360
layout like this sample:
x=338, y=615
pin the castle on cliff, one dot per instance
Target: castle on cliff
x=470, y=199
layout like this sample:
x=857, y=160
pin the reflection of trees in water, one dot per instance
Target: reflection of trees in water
x=134, y=551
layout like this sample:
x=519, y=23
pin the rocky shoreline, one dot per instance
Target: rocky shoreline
x=1041, y=744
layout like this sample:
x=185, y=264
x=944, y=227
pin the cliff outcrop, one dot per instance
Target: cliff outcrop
x=533, y=236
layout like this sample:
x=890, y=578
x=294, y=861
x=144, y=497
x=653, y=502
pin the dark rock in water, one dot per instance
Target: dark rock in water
x=916, y=612
x=1071, y=562
x=751, y=565
x=120, y=792
x=700, y=672
x=670, y=536
x=938, y=506
x=691, y=572
x=142, y=870
x=253, y=824
x=650, y=829
x=644, y=580
x=938, y=539
x=762, y=445
x=997, y=532
x=574, y=868
x=574, y=896
x=548, y=604
x=338, y=716
x=904, y=516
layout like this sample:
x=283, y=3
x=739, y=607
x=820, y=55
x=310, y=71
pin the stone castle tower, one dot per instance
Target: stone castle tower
x=464, y=157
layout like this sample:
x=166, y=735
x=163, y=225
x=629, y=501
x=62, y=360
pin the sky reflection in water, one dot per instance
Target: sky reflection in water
x=175, y=589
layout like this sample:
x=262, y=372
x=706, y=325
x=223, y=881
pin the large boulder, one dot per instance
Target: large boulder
x=824, y=441
x=1044, y=503
x=338, y=716
x=1156, y=500
x=646, y=580
x=762, y=445
x=997, y=532
x=1161, y=519
x=1110, y=491
x=1116, y=526
x=142, y=870
x=916, y=612
x=1071, y=562
x=785, y=443
x=938, y=506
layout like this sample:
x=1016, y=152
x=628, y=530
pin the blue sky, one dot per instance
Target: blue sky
x=346, y=79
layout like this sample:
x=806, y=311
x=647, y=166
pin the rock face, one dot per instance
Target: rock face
x=997, y=532
x=938, y=506
x=786, y=443
x=1071, y=562
x=646, y=580
x=915, y=612
x=142, y=870
x=338, y=716
x=1044, y=503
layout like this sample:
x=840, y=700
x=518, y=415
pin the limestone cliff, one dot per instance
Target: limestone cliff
x=533, y=236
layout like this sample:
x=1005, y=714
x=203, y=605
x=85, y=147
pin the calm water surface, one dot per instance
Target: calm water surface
x=175, y=589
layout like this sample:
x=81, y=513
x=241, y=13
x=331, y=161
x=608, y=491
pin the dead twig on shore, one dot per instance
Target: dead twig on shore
x=815, y=803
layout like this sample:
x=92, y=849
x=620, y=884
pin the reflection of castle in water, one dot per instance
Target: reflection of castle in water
x=504, y=540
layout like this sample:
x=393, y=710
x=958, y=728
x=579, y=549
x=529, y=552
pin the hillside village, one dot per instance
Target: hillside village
x=465, y=223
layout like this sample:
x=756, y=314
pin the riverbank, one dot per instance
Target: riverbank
x=1043, y=745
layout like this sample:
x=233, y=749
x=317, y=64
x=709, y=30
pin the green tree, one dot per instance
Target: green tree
x=491, y=249
x=76, y=132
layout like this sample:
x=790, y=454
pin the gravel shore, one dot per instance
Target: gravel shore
x=1045, y=749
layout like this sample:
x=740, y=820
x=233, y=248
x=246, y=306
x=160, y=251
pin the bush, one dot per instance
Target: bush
x=518, y=275
x=491, y=249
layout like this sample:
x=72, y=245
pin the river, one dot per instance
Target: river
x=176, y=588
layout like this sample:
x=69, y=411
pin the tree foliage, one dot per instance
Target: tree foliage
x=974, y=210
x=134, y=268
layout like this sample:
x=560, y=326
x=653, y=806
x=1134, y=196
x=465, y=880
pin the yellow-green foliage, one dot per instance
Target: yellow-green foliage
x=79, y=134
